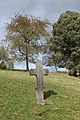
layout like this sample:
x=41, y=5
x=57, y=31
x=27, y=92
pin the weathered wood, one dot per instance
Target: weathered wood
x=39, y=72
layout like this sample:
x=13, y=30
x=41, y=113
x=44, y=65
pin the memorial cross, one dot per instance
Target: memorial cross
x=39, y=72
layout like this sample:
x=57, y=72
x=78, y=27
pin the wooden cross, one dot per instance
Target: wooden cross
x=39, y=72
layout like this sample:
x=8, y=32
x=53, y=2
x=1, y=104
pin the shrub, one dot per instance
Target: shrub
x=3, y=65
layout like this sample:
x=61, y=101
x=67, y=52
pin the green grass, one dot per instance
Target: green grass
x=18, y=99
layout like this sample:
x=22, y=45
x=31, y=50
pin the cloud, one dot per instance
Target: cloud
x=42, y=8
x=50, y=9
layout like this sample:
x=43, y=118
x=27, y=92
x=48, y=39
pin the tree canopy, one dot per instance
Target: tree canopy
x=66, y=38
x=24, y=33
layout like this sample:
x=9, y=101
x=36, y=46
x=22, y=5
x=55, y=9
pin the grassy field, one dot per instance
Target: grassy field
x=18, y=99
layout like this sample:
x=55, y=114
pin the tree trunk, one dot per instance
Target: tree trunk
x=27, y=64
x=55, y=67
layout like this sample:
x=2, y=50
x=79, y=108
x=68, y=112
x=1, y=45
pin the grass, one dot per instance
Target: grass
x=18, y=99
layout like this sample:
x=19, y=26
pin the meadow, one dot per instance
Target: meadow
x=18, y=97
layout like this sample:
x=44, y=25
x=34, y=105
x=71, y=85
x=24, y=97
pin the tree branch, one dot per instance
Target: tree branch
x=21, y=51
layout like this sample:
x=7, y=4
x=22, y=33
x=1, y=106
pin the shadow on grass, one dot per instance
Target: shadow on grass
x=49, y=93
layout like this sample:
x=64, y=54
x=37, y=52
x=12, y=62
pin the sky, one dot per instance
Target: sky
x=49, y=9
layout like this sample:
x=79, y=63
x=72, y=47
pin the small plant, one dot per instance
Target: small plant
x=3, y=65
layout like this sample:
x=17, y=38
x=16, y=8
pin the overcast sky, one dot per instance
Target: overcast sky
x=50, y=9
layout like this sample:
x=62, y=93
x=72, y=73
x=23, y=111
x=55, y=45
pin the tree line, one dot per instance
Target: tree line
x=27, y=37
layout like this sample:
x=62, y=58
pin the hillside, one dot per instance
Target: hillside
x=18, y=100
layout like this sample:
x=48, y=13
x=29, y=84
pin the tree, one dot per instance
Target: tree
x=6, y=59
x=3, y=53
x=52, y=54
x=70, y=65
x=78, y=68
x=66, y=36
x=24, y=34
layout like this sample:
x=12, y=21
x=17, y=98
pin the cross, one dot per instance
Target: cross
x=39, y=72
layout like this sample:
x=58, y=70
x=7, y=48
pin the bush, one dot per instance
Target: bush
x=2, y=65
